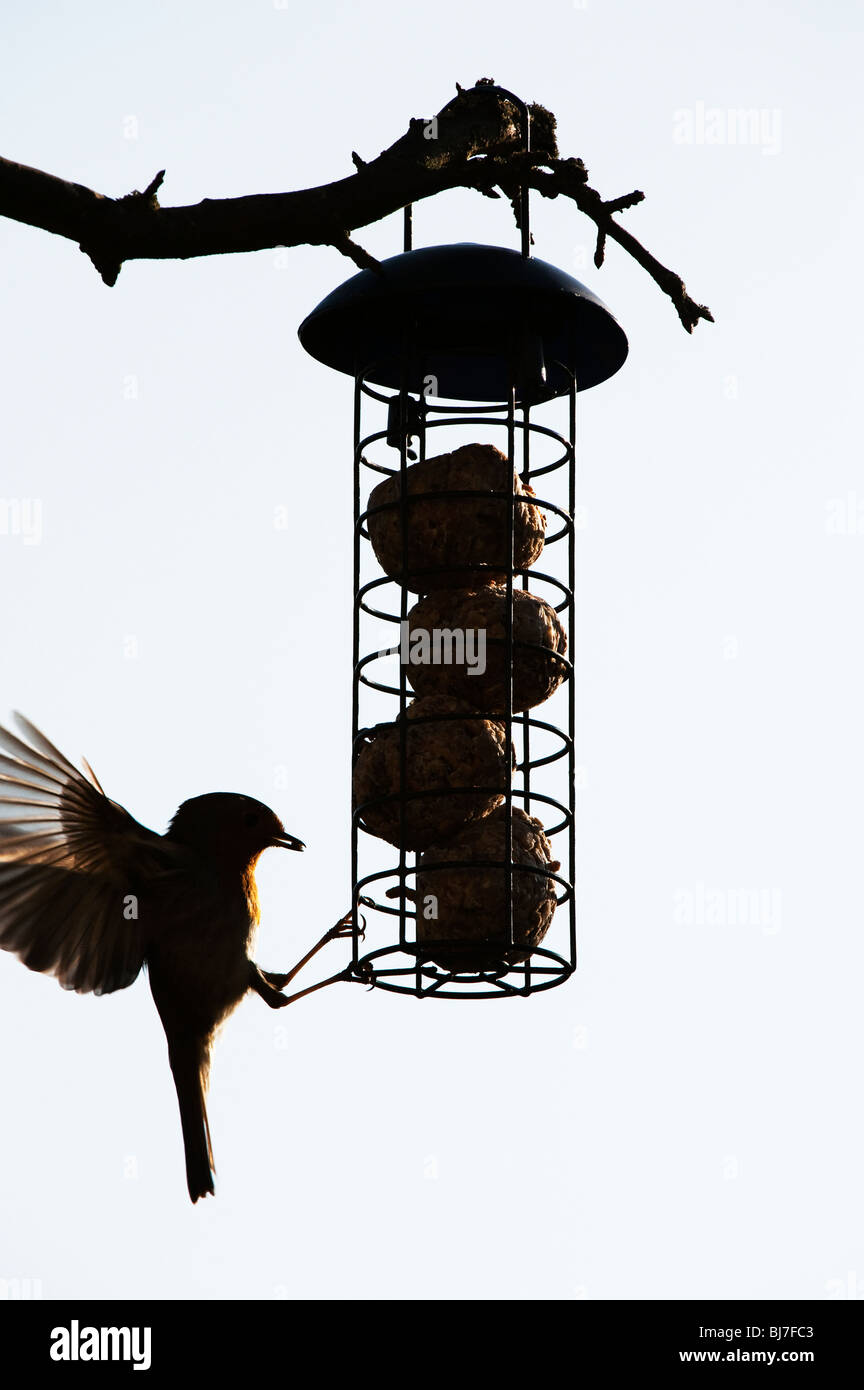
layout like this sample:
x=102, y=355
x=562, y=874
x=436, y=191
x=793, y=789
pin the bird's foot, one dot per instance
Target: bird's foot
x=345, y=928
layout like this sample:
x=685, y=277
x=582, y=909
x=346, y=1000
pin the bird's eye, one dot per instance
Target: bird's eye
x=251, y=818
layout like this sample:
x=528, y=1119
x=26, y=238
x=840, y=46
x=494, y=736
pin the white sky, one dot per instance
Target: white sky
x=681, y=1120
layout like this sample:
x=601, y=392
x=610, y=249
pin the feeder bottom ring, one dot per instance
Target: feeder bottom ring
x=416, y=974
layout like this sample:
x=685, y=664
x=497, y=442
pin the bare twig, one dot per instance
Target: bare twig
x=355, y=253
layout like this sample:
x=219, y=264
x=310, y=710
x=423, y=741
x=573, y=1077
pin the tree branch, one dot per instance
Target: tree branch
x=474, y=142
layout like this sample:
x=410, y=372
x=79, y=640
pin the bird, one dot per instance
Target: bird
x=91, y=896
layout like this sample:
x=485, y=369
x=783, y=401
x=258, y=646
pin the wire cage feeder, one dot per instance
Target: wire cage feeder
x=463, y=820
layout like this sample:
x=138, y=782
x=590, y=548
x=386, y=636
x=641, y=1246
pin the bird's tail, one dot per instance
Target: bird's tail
x=190, y=1065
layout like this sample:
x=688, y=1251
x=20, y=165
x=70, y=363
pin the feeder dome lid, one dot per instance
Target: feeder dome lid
x=472, y=318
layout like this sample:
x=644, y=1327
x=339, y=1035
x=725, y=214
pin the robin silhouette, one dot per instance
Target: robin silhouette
x=90, y=895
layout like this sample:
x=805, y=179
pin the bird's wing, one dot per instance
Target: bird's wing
x=71, y=865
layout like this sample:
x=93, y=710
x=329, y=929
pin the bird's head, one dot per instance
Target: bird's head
x=233, y=828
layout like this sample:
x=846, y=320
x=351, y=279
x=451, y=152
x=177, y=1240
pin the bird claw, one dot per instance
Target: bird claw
x=345, y=928
x=362, y=971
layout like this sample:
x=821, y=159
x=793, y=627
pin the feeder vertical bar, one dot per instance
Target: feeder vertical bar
x=571, y=697
x=526, y=721
x=403, y=620
x=508, y=619
x=355, y=683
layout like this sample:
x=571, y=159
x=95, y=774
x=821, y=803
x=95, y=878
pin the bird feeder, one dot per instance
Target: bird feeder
x=462, y=838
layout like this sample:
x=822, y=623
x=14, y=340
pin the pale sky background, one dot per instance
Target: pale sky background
x=680, y=1120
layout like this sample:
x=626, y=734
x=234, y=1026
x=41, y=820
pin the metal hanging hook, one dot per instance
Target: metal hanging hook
x=524, y=205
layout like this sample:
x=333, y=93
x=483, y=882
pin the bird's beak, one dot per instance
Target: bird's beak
x=287, y=842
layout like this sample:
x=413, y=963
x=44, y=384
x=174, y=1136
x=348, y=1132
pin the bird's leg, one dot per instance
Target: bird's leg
x=263, y=986
x=343, y=928
x=310, y=989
